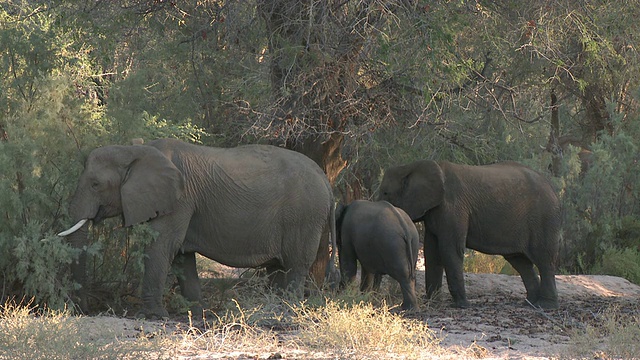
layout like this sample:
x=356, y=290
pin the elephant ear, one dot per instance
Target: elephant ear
x=151, y=187
x=422, y=188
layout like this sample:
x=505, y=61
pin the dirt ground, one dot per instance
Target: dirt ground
x=497, y=324
x=502, y=327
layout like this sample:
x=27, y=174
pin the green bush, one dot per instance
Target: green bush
x=477, y=262
x=600, y=206
x=620, y=262
x=33, y=267
x=49, y=122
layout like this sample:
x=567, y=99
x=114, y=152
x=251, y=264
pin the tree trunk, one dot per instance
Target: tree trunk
x=313, y=52
x=553, y=146
x=314, y=48
x=325, y=152
x=597, y=117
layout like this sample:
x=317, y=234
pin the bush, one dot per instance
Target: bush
x=38, y=272
x=477, y=262
x=620, y=262
x=600, y=205
x=41, y=158
x=620, y=330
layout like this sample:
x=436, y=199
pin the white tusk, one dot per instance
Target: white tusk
x=74, y=228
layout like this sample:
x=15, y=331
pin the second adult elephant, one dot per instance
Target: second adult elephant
x=504, y=208
x=250, y=206
x=384, y=240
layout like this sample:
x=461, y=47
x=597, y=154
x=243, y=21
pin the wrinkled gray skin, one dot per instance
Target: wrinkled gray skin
x=506, y=209
x=385, y=241
x=249, y=206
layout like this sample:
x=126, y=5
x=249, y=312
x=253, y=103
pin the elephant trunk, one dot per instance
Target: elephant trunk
x=78, y=240
x=82, y=209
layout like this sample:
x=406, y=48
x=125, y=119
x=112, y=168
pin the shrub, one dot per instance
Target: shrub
x=37, y=271
x=600, y=206
x=477, y=262
x=363, y=329
x=620, y=331
x=623, y=262
x=41, y=161
x=28, y=333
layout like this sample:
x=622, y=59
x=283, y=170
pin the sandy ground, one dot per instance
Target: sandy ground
x=502, y=327
x=497, y=325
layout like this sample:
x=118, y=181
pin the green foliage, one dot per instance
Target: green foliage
x=50, y=120
x=628, y=233
x=600, y=205
x=477, y=262
x=39, y=158
x=462, y=81
x=624, y=262
x=38, y=268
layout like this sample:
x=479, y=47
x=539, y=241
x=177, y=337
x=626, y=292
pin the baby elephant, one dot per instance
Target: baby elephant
x=385, y=241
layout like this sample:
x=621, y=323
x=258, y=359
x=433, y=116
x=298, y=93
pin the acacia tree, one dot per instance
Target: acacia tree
x=578, y=57
x=576, y=64
x=316, y=48
x=342, y=70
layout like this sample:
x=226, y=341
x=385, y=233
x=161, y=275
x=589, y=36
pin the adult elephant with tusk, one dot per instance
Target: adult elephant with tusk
x=505, y=208
x=249, y=206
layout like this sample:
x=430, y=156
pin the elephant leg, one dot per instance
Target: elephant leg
x=290, y=282
x=159, y=255
x=433, y=265
x=377, y=280
x=524, y=267
x=299, y=251
x=366, y=280
x=156, y=268
x=295, y=281
x=408, y=288
x=189, y=282
x=451, y=248
x=277, y=276
x=455, y=281
x=548, y=296
x=348, y=265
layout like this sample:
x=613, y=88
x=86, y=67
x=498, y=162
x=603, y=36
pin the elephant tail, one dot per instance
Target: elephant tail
x=412, y=254
x=332, y=274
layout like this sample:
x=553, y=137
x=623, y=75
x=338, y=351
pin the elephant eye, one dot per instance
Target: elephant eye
x=95, y=184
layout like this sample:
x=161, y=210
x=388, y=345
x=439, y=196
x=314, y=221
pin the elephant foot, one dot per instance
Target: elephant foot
x=153, y=314
x=80, y=305
x=461, y=303
x=409, y=307
x=196, y=312
x=547, y=304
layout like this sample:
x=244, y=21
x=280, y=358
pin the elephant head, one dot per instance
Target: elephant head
x=416, y=188
x=137, y=182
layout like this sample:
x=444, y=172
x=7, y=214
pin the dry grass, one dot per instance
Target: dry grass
x=621, y=334
x=364, y=331
x=27, y=333
x=228, y=334
x=258, y=323
x=300, y=330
